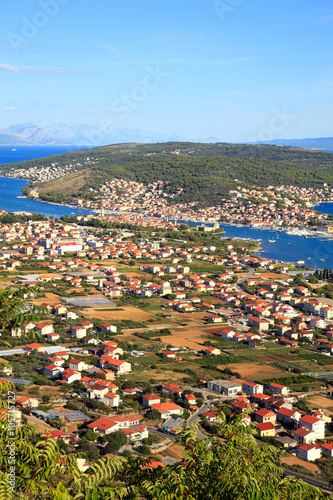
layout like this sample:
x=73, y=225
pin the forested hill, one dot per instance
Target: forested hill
x=204, y=171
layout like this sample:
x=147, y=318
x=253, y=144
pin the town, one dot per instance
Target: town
x=139, y=334
x=283, y=208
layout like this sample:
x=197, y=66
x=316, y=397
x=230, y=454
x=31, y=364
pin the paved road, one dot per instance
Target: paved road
x=313, y=482
x=206, y=392
x=195, y=416
x=34, y=420
x=249, y=275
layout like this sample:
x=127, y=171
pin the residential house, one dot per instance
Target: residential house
x=69, y=376
x=166, y=410
x=212, y=351
x=79, y=332
x=107, y=425
x=27, y=402
x=263, y=416
x=304, y=436
x=309, y=452
x=150, y=399
x=44, y=328
x=266, y=429
x=77, y=365
x=251, y=388
x=107, y=327
x=314, y=424
x=278, y=389
x=111, y=399
x=172, y=389
x=327, y=448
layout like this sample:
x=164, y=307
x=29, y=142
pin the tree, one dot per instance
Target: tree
x=154, y=415
x=115, y=441
x=143, y=449
x=209, y=470
x=236, y=469
x=13, y=311
x=298, y=280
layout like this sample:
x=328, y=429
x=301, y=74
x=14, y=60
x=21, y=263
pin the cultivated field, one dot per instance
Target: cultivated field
x=193, y=338
x=289, y=460
x=127, y=312
x=321, y=402
x=254, y=370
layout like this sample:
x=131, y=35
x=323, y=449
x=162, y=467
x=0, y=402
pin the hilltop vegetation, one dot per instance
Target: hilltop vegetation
x=206, y=172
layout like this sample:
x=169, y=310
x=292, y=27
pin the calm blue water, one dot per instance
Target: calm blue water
x=8, y=154
x=11, y=188
x=315, y=252
x=288, y=248
x=325, y=208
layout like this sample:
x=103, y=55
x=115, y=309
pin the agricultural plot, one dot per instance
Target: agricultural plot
x=254, y=371
x=318, y=401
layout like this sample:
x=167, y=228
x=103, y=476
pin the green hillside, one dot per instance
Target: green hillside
x=206, y=172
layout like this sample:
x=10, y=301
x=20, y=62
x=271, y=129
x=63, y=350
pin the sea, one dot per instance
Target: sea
x=280, y=246
x=10, y=188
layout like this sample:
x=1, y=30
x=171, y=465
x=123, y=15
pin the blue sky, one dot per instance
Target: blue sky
x=238, y=70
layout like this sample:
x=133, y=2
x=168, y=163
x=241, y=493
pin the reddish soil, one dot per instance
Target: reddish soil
x=322, y=402
x=128, y=312
x=290, y=460
x=254, y=370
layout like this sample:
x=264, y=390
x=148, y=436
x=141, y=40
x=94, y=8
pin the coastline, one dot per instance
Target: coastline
x=301, y=232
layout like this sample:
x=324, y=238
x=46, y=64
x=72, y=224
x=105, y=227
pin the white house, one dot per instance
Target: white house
x=150, y=399
x=278, y=389
x=107, y=327
x=107, y=425
x=327, y=448
x=308, y=451
x=52, y=370
x=317, y=425
x=44, y=328
x=251, y=388
x=79, y=332
x=304, y=436
x=76, y=365
x=111, y=399
x=70, y=376
x=121, y=367
x=167, y=409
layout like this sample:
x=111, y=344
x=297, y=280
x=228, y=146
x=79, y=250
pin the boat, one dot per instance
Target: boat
x=300, y=262
x=13, y=149
x=322, y=260
x=271, y=241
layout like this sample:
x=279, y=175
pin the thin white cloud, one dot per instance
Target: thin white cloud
x=196, y=62
x=324, y=19
x=8, y=108
x=40, y=71
x=115, y=51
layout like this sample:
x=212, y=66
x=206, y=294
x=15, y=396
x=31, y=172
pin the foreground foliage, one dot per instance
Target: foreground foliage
x=210, y=469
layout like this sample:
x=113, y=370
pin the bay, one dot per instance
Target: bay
x=10, y=188
x=315, y=252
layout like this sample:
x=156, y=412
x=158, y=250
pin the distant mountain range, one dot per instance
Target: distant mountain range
x=45, y=133
x=320, y=143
